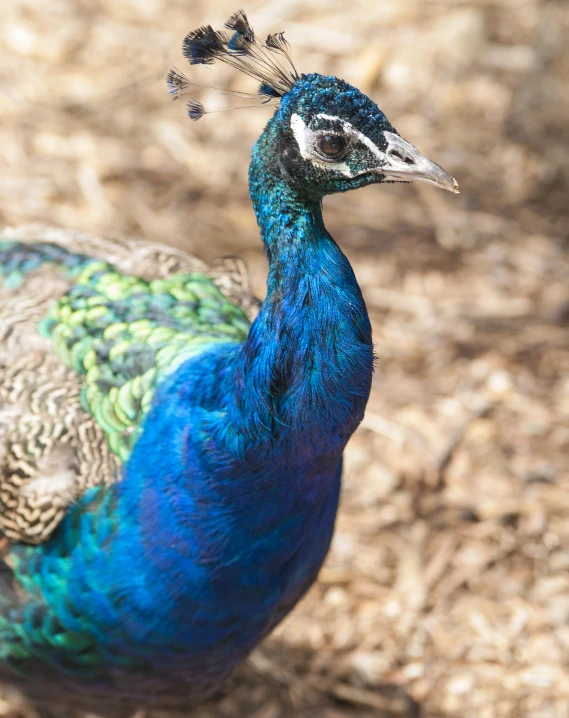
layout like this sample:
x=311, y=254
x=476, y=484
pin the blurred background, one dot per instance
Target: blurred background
x=447, y=588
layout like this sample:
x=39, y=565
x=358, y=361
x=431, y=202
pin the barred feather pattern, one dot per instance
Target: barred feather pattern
x=53, y=445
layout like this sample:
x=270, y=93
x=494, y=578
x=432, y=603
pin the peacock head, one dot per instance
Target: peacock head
x=326, y=136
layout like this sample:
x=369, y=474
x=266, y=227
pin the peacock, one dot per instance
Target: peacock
x=170, y=463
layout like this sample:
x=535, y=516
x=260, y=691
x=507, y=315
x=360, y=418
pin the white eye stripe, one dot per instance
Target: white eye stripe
x=302, y=135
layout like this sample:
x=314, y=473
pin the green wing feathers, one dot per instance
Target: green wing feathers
x=124, y=334
x=84, y=342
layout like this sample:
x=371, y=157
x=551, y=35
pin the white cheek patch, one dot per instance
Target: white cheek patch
x=298, y=127
x=302, y=136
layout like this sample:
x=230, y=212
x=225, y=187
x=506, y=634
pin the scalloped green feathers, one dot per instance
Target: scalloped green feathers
x=124, y=334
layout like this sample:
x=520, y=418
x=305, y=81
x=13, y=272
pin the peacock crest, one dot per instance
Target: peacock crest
x=270, y=63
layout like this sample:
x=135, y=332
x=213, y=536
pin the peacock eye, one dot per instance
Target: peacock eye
x=332, y=147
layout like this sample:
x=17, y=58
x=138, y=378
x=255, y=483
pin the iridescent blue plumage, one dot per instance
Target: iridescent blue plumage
x=155, y=587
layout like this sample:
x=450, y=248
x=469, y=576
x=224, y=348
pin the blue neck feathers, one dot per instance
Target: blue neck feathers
x=305, y=370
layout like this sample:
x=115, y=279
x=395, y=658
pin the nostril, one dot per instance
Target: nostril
x=407, y=160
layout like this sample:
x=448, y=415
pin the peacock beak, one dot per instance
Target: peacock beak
x=404, y=163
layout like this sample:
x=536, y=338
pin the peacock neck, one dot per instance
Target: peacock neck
x=305, y=370
x=226, y=507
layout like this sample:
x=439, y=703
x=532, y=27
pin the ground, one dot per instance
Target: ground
x=447, y=588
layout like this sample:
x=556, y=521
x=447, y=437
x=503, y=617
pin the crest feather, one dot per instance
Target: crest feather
x=238, y=22
x=177, y=83
x=195, y=110
x=204, y=45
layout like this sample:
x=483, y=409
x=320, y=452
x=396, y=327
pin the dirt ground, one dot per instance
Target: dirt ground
x=447, y=589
